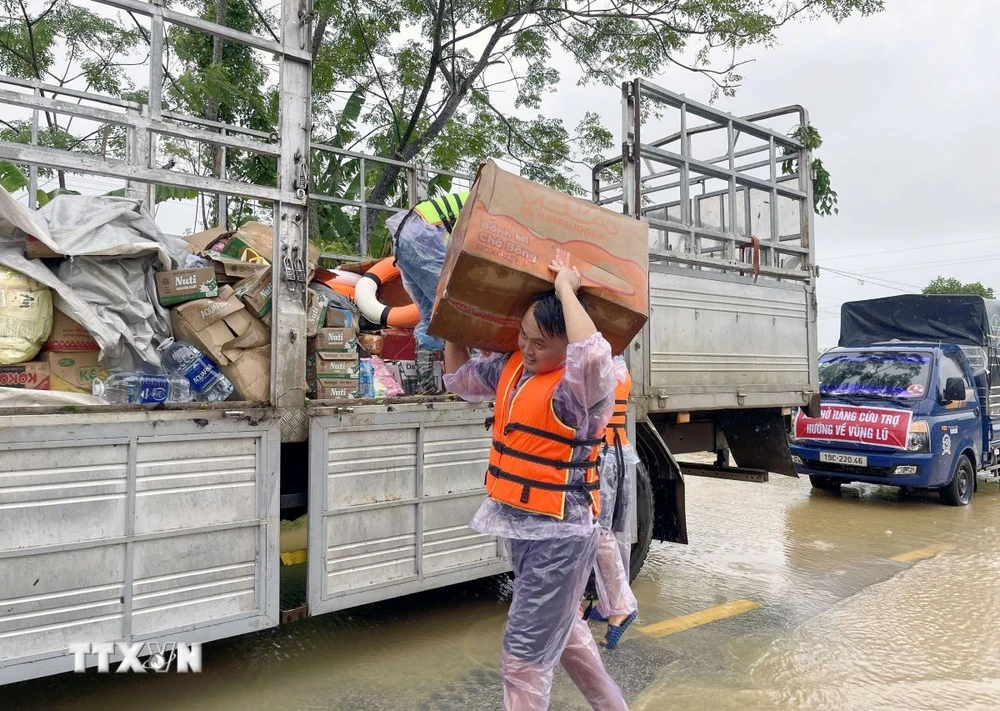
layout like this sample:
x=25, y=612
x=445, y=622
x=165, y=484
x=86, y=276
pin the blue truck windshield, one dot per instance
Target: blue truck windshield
x=886, y=374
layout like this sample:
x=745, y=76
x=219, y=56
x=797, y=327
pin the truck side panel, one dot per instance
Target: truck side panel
x=722, y=342
x=390, y=499
x=144, y=528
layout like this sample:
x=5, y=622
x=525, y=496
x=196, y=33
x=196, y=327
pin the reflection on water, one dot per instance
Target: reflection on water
x=925, y=638
x=841, y=625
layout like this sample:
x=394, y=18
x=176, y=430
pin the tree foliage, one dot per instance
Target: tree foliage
x=455, y=81
x=951, y=285
x=63, y=45
x=445, y=83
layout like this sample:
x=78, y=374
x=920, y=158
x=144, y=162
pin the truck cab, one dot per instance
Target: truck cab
x=899, y=413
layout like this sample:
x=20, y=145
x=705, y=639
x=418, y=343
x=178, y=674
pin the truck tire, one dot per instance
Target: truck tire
x=963, y=483
x=824, y=482
x=644, y=520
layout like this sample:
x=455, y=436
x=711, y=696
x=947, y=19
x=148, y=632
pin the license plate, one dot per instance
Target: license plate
x=854, y=460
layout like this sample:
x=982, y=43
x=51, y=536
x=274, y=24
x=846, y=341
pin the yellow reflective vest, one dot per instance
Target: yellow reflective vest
x=442, y=210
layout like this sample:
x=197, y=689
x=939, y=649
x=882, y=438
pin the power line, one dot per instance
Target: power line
x=875, y=281
x=909, y=249
x=839, y=274
x=936, y=262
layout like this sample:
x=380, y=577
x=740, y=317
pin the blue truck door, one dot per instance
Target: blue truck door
x=961, y=426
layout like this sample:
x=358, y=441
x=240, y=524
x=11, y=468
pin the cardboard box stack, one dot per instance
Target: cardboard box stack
x=232, y=327
x=333, y=364
x=498, y=256
x=223, y=329
x=71, y=356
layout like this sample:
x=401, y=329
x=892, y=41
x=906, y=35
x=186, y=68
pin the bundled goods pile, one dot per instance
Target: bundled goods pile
x=96, y=299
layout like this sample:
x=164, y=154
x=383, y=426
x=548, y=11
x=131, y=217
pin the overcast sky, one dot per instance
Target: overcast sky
x=906, y=103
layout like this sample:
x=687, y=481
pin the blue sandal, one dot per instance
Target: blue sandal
x=615, y=632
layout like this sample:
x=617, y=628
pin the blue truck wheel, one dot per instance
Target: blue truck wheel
x=963, y=482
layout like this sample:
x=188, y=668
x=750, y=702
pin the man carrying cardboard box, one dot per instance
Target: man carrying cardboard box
x=420, y=239
x=554, y=397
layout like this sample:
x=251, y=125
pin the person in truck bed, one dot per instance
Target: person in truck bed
x=420, y=240
x=554, y=398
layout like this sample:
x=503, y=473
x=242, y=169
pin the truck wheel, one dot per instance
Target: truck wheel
x=824, y=482
x=963, y=482
x=644, y=520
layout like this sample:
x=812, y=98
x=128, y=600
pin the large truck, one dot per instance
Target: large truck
x=132, y=524
x=909, y=398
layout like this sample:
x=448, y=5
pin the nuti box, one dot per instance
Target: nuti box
x=180, y=285
x=498, y=258
x=336, y=366
x=337, y=340
x=255, y=293
x=337, y=389
x=316, y=308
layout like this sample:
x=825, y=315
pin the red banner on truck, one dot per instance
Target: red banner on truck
x=881, y=426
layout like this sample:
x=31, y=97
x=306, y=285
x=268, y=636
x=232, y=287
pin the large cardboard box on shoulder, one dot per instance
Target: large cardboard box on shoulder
x=226, y=332
x=498, y=258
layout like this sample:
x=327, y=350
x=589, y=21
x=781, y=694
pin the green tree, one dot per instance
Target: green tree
x=447, y=83
x=223, y=82
x=60, y=44
x=438, y=71
x=951, y=285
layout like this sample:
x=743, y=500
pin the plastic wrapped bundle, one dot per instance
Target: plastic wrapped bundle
x=25, y=316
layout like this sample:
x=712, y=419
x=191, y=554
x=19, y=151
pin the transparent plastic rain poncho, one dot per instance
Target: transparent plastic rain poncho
x=611, y=573
x=419, y=249
x=551, y=559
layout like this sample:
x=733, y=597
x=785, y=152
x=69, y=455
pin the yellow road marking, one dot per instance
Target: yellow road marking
x=696, y=619
x=293, y=557
x=919, y=554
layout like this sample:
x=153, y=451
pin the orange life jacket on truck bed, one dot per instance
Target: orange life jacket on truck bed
x=616, y=435
x=530, y=460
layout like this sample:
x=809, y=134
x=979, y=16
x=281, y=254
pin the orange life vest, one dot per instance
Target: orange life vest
x=616, y=433
x=530, y=462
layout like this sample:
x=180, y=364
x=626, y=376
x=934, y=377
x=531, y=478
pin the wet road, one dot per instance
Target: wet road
x=786, y=598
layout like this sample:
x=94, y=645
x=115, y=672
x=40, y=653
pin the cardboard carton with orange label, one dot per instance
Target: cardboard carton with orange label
x=499, y=255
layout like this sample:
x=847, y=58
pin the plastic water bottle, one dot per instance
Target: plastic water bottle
x=366, y=378
x=142, y=389
x=208, y=384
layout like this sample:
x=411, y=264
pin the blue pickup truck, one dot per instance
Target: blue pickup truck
x=908, y=399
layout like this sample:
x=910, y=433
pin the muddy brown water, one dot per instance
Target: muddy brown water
x=841, y=625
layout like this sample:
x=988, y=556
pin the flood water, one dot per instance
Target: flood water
x=840, y=624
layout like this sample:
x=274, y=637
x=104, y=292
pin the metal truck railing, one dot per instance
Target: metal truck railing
x=729, y=348
x=740, y=201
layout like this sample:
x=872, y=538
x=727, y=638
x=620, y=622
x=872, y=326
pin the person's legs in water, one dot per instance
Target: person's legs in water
x=550, y=576
x=615, y=599
x=582, y=662
x=419, y=253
